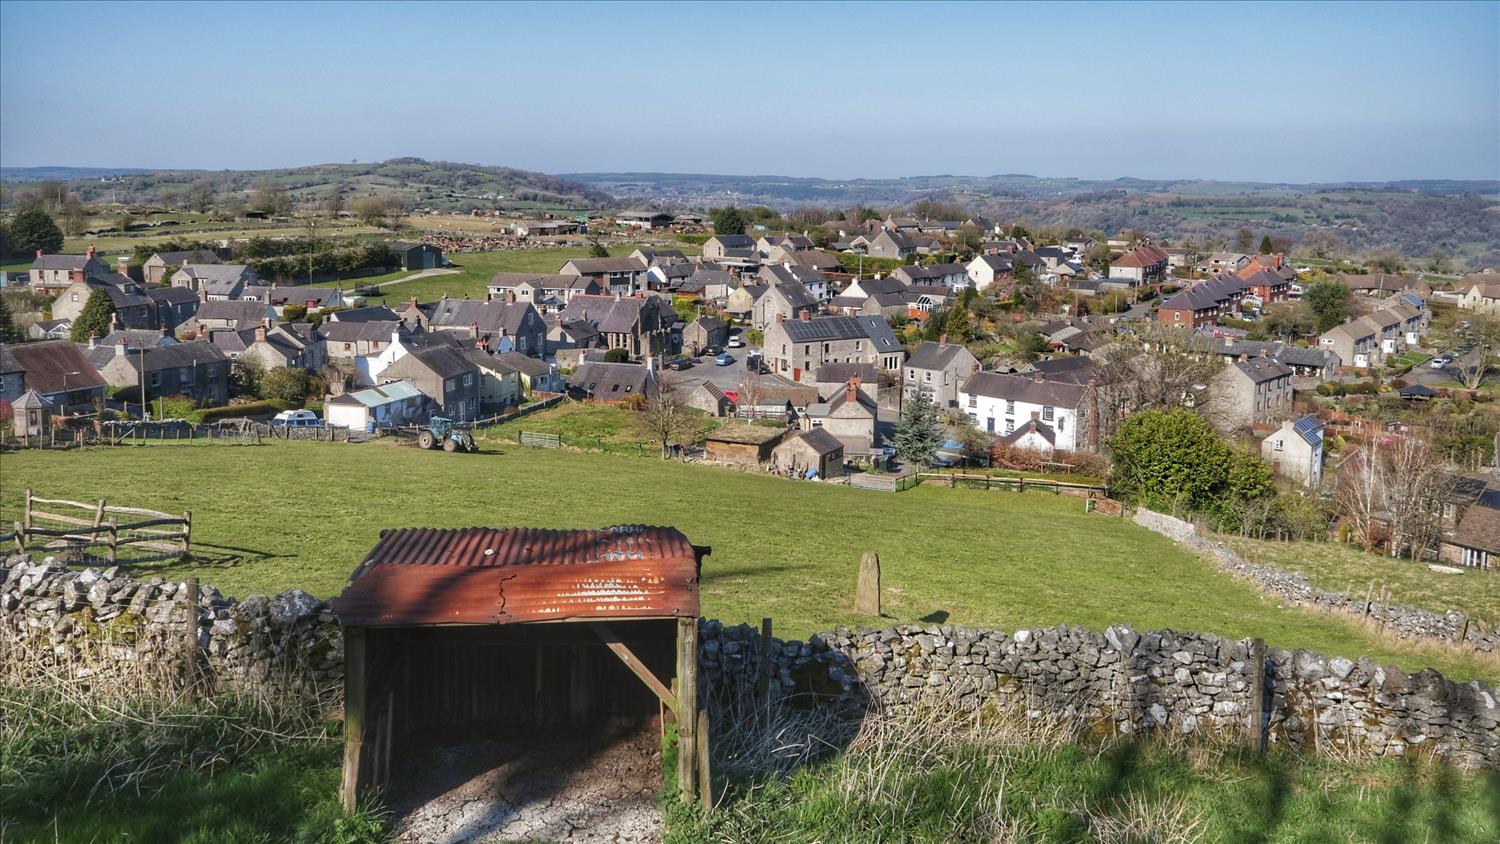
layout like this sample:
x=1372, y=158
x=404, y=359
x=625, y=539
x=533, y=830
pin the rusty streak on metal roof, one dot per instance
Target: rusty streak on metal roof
x=423, y=576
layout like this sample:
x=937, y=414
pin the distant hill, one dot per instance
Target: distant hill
x=41, y=174
x=424, y=184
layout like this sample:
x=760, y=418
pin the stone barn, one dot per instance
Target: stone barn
x=814, y=451
x=482, y=646
x=744, y=445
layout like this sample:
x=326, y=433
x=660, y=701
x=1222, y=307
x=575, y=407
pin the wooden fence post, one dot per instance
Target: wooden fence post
x=187, y=532
x=705, y=772
x=1258, y=695
x=114, y=544
x=20, y=538
x=26, y=513
x=354, y=718
x=763, y=682
x=190, y=641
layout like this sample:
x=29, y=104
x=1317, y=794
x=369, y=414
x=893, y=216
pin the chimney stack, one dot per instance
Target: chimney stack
x=510, y=298
x=164, y=330
x=90, y=251
x=943, y=339
x=1036, y=375
x=120, y=348
x=473, y=329
x=93, y=339
x=805, y=314
x=39, y=253
x=853, y=392
x=1035, y=415
x=260, y=334
x=778, y=318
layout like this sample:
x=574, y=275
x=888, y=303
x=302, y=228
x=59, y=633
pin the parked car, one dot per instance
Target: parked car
x=724, y=359
x=1439, y=363
x=680, y=364
x=736, y=343
x=297, y=419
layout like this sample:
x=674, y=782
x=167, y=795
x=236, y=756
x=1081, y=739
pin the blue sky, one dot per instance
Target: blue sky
x=1268, y=92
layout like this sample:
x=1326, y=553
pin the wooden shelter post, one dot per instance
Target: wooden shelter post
x=355, y=690
x=687, y=708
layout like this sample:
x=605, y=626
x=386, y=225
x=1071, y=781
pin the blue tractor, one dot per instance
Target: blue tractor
x=440, y=429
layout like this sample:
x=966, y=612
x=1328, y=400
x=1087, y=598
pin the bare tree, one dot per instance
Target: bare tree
x=1157, y=369
x=1483, y=333
x=664, y=416
x=750, y=394
x=1360, y=493
x=1397, y=488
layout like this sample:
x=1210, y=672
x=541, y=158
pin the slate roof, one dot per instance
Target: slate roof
x=524, y=364
x=734, y=241
x=821, y=329
x=381, y=395
x=1031, y=426
x=1073, y=370
x=1021, y=388
x=490, y=316
x=45, y=363
x=217, y=273
x=373, y=313
x=171, y=295
x=60, y=262
x=588, y=266
x=353, y=332
x=840, y=373
x=1479, y=528
x=610, y=381
x=442, y=361
x=819, y=440
x=1287, y=354
x=1259, y=370
x=241, y=313
x=197, y=256
x=934, y=356
x=606, y=313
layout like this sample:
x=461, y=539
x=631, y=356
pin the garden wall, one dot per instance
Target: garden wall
x=1402, y=620
x=109, y=627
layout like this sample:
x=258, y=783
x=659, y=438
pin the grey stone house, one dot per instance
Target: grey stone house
x=1249, y=391
x=938, y=369
x=795, y=348
x=704, y=333
x=444, y=375
x=198, y=370
x=1295, y=450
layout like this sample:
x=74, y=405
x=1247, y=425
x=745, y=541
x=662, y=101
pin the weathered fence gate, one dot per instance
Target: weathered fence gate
x=98, y=537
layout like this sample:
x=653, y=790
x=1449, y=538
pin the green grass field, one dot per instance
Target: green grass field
x=1347, y=568
x=303, y=514
x=476, y=268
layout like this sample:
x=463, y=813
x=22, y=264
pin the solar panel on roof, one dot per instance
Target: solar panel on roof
x=1310, y=428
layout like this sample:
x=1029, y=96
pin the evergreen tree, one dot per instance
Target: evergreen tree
x=33, y=230
x=919, y=432
x=728, y=220
x=1329, y=301
x=1265, y=245
x=98, y=313
x=8, y=331
x=959, y=328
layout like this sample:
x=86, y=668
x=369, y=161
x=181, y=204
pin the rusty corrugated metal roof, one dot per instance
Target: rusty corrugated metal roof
x=421, y=576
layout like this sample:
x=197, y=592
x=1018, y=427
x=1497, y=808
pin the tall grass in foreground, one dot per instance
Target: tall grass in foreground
x=1001, y=777
x=90, y=753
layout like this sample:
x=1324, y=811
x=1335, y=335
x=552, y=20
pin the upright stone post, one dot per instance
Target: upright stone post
x=867, y=591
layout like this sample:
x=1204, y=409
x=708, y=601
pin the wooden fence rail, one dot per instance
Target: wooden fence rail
x=101, y=532
x=954, y=479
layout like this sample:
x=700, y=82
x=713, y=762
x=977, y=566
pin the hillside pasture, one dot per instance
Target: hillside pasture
x=302, y=514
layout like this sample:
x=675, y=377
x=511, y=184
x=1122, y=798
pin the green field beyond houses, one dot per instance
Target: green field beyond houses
x=303, y=514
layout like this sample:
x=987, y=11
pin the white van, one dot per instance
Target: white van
x=297, y=419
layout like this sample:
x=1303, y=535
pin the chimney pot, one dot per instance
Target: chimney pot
x=93, y=339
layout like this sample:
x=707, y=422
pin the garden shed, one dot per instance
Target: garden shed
x=475, y=632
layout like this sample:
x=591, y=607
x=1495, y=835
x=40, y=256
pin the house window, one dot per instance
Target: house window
x=75, y=297
x=156, y=379
x=973, y=402
x=1010, y=407
x=468, y=379
x=927, y=376
x=347, y=346
x=1062, y=423
x=1047, y=413
x=1276, y=445
x=184, y=374
x=1010, y=425
x=450, y=384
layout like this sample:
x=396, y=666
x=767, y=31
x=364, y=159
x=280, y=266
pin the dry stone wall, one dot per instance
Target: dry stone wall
x=106, y=626
x=1122, y=681
x=1404, y=621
